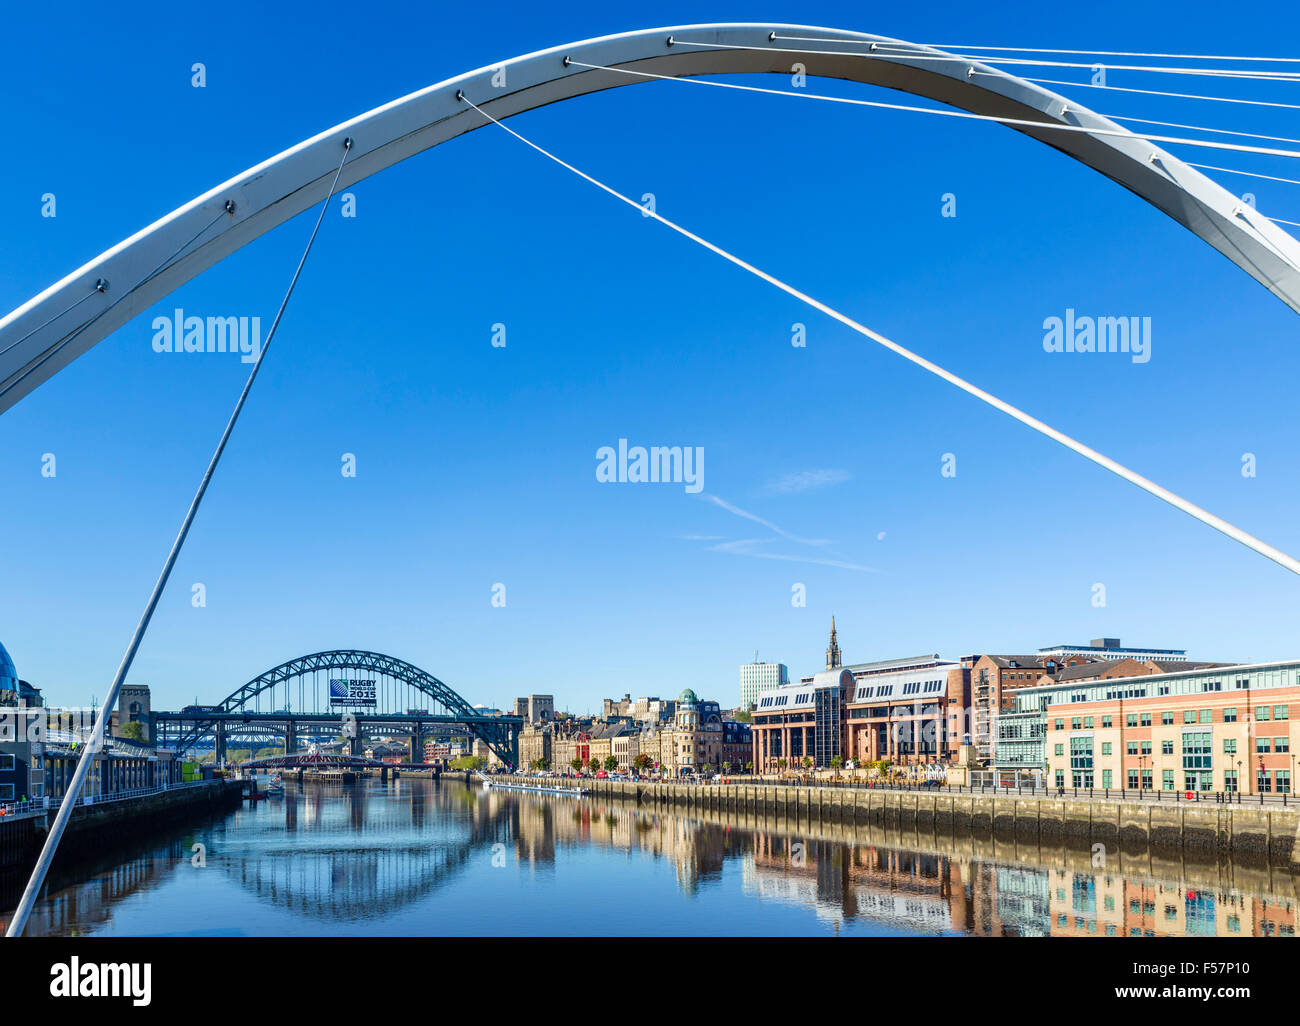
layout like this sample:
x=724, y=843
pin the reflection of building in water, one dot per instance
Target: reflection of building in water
x=1021, y=902
x=543, y=826
x=1087, y=905
x=842, y=882
x=83, y=908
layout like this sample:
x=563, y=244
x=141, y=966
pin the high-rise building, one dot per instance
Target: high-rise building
x=758, y=678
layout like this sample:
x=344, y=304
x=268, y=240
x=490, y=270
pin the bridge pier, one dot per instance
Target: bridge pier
x=290, y=738
x=220, y=749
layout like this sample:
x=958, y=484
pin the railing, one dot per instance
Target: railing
x=1104, y=793
x=48, y=804
x=10, y=811
x=1090, y=793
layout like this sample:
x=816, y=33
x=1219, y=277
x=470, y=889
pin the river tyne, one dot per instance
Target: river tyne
x=415, y=857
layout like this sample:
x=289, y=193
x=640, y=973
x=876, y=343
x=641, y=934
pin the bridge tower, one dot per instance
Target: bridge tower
x=221, y=743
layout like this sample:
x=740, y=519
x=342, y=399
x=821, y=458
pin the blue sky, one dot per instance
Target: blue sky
x=476, y=465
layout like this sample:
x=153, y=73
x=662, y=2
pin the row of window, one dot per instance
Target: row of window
x=1263, y=714
x=1266, y=781
x=1263, y=745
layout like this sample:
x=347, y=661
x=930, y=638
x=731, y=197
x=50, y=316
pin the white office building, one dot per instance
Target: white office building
x=758, y=678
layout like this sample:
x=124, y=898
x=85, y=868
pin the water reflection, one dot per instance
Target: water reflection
x=415, y=857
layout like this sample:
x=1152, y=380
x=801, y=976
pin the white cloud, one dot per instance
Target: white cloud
x=805, y=480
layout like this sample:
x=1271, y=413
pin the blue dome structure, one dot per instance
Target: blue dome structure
x=8, y=672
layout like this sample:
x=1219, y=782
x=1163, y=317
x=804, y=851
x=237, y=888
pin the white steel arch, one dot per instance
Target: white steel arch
x=49, y=331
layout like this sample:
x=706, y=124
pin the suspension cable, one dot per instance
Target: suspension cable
x=907, y=50
x=1157, y=92
x=91, y=749
x=1236, y=533
x=1104, y=53
x=1266, y=76
x=1122, y=133
x=1202, y=128
x=1248, y=174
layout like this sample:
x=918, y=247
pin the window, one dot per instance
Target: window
x=1060, y=724
x=1146, y=747
x=6, y=762
x=1167, y=780
x=1075, y=723
x=1106, y=721
x=1106, y=778
x=1265, y=784
x=1262, y=713
x=1060, y=749
x=1263, y=744
x=1105, y=748
x=6, y=792
x=1206, y=716
x=1146, y=719
x=1166, y=719
x=1283, y=781
x=1087, y=723
x=1132, y=748
x=1230, y=781
x=1281, y=712
x=1189, y=716
x=1081, y=760
x=1197, y=759
x=1131, y=720
x=1230, y=745
x=1243, y=683
x=1230, y=715
x=1133, y=780
x=1060, y=778
x=1166, y=748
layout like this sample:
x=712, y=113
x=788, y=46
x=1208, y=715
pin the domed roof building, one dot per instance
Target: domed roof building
x=12, y=689
x=687, y=697
x=8, y=674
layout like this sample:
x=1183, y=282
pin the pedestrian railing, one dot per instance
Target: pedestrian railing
x=130, y=794
x=1146, y=794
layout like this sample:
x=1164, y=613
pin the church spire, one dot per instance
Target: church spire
x=833, y=651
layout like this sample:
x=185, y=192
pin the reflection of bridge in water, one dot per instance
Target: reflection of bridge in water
x=342, y=877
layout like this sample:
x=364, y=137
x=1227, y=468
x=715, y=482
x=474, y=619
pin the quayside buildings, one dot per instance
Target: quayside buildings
x=1100, y=715
x=1204, y=728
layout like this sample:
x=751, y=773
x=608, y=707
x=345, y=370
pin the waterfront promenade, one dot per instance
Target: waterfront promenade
x=100, y=819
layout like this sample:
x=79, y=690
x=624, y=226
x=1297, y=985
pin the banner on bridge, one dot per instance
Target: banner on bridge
x=352, y=694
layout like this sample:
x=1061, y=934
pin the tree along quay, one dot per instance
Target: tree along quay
x=1259, y=833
